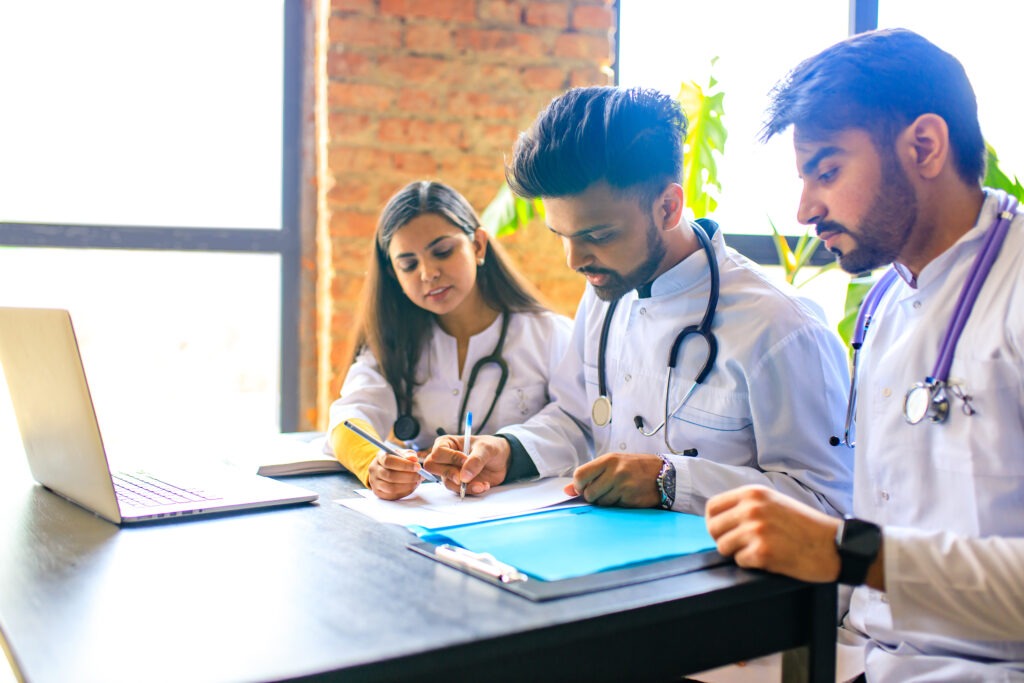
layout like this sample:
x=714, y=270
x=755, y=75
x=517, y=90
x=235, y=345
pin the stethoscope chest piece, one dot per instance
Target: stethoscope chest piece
x=406, y=428
x=601, y=411
x=926, y=399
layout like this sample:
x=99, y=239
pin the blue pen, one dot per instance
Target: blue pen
x=465, y=449
x=387, y=447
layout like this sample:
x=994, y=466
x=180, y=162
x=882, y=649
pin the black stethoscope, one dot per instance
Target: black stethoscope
x=407, y=427
x=929, y=399
x=601, y=411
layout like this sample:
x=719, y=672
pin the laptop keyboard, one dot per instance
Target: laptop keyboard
x=138, y=490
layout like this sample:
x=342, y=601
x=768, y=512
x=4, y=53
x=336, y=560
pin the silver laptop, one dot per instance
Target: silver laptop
x=55, y=414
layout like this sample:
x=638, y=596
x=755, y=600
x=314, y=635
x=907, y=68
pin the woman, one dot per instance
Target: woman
x=446, y=327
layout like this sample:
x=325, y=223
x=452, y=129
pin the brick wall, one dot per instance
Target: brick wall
x=436, y=89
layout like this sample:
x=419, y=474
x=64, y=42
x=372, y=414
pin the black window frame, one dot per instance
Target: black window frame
x=761, y=248
x=287, y=242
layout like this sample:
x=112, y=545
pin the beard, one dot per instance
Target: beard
x=619, y=284
x=884, y=231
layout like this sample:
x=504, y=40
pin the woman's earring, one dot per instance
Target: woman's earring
x=480, y=261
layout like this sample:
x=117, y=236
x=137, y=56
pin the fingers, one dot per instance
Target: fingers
x=488, y=454
x=446, y=459
x=596, y=484
x=486, y=465
x=625, y=479
x=391, y=477
x=447, y=450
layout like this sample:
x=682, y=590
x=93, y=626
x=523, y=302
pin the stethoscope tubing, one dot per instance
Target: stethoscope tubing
x=979, y=272
x=703, y=330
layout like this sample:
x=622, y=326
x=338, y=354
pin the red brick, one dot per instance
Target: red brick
x=491, y=76
x=352, y=224
x=413, y=69
x=547, y=14
x=483, y=106
x=359, y=31
x=361, y=6
x=354, y=192
x=582, y=46
x=359, y=96
x=429, y=39
x=347, y=159
x=419, y=133
x=411, y=100
x=502, y=136
x=414, y=163
x=591, y=76
x=590, y=17
x=512, y=45
x=351, y=255
x=445, y=10
x=545, y=78
x=506, y=12
x=343, y=126
x=475, y=167
x=345, y=64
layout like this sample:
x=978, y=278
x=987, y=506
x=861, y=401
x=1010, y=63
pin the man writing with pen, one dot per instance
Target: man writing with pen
x=688, y=373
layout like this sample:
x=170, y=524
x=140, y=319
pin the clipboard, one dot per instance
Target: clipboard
x=569, y=551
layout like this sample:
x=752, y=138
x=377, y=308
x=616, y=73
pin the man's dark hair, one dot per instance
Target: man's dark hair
x=631, y=138
x=880, y=82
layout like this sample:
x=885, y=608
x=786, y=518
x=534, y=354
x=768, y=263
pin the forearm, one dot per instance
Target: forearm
x=353, y=451
x=959, y=587
x=554, y=441
x=697, y=479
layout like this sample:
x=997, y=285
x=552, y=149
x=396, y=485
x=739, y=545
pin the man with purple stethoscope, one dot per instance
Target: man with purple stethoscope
x=891, y=157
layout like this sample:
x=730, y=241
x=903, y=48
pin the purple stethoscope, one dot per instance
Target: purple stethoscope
x=930, y=398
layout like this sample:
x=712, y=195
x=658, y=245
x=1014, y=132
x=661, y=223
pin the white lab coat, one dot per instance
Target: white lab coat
x=533, y=346
x=763, y=416
x=950, y=496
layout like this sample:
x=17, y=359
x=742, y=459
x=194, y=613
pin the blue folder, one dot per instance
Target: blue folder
x=566, y=551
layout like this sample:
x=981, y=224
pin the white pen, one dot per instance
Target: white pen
x=465, y=449
x=386, y=447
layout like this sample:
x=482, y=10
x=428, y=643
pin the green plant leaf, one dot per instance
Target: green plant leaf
x=704, y=144
x=997, y=179
x=506, y=213
x=855, y=293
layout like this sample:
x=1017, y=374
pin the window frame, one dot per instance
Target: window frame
x=291, y=241
x=761, y=248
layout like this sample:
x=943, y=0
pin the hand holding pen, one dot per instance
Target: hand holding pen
x=394, y=473
x=487, y=466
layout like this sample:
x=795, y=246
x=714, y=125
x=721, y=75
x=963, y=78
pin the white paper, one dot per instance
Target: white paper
x=433, y=506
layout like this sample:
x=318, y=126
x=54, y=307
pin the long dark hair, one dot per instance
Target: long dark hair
x=393, y=327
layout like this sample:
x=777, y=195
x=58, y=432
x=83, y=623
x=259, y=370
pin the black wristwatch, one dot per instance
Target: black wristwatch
x=858, y=543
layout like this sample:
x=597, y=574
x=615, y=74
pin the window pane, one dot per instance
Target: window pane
x=663, y=44
x=175, y=345
x=986, y=40
x=127, y=112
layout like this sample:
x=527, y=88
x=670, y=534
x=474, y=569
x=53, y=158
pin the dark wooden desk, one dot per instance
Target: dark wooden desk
x=322, y=593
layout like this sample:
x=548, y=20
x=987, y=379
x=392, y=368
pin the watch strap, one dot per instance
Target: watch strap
x=666, y=483
x=858, y=543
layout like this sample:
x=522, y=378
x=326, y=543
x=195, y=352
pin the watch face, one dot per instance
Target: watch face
x=860, y=538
